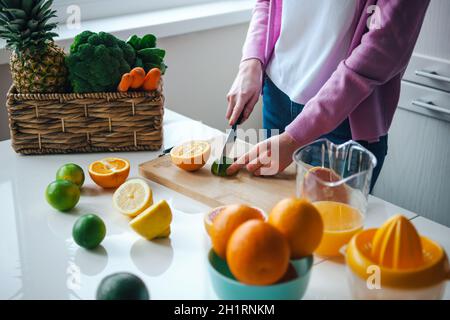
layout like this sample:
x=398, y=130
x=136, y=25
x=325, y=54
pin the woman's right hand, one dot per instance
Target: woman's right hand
x=245, y=91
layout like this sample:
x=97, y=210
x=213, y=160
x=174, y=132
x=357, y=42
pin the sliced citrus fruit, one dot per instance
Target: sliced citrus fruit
x=220, y=167
x=109, y=172
x=133, y=197
x=154, y=222
x=191, y=155
x=317, y=186
x=209, y=217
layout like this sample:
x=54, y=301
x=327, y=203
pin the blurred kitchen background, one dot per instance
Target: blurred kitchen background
x=203, y=40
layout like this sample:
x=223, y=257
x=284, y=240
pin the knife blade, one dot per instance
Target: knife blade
x=229, y=142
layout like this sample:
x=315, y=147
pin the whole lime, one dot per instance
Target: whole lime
x=89, y=231
x=71, y=172
x=62, y=195
x=122, y=286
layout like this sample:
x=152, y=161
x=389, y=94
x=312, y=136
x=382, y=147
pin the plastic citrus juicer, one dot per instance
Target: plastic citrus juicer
x=336, y=179
x=395, y=262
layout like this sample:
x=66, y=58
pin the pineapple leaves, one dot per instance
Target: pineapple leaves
x=46, y=5
x=36, y=8
x=32, y=24
x=16, y=13
x=10, y=3
x=27, y=6
x=27, y=24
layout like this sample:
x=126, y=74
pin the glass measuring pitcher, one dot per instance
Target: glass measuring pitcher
x=336, y=179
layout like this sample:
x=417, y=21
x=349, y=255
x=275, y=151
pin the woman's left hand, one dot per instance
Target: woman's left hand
x=268, y=157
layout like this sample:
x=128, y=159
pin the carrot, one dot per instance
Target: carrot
x=152, y=78
x=125, y=83
x=138, y=75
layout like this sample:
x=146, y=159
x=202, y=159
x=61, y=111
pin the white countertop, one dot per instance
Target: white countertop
x=39, y=259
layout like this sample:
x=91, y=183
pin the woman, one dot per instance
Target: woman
x=326, y=68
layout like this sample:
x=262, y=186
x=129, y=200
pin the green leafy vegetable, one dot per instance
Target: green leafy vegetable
x=147, y=41
x=148, y=56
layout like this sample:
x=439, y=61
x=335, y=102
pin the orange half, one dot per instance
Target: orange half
x=317, y=186
x=109, y=172
x=191, y=156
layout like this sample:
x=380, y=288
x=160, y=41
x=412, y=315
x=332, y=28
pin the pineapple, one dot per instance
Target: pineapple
x=37, y=64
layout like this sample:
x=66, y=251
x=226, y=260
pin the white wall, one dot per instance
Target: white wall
x=202, y=66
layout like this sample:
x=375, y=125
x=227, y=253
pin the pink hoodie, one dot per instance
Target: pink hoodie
x=366, y=85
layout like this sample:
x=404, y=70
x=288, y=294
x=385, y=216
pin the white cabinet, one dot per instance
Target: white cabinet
x=416, y=174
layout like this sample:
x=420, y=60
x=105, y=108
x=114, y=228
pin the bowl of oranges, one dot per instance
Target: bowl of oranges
x=257, y=258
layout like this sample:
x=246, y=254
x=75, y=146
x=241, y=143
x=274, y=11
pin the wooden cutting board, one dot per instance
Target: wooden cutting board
x=213, y=191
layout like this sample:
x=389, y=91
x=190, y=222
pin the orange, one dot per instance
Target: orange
x=227, y=221
x=300, y=222
x=314, y=190
x=109, y=172
x=258, y=254
x=191, y=156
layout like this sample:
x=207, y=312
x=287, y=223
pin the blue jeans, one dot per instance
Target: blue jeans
x=279, y=111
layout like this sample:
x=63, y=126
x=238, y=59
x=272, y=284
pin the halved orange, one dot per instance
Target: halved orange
x=191, y=156
x=316, y=186
x=109, y=172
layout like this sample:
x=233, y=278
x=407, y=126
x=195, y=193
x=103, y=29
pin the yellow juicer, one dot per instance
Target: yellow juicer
x=395, y=262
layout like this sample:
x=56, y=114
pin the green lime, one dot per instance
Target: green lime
x=62, y=195
x=89, y=231
x=71, y=172
x=226, y=163
x=122, y=286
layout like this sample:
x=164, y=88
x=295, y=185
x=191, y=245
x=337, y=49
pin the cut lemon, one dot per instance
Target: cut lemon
x=154, y=222
x=109, y=172
x=133, y=197
x=191, y=155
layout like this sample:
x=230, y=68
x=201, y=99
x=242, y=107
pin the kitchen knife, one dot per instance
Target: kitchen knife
x=231, y=139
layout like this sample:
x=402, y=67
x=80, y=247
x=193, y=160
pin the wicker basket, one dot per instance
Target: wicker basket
x=92, y=122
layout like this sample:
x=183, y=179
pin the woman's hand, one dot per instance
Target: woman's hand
x=268, y=157
x=245, y=91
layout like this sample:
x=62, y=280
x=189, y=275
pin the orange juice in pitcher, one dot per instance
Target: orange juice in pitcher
x=336, y=179
x=341, y=223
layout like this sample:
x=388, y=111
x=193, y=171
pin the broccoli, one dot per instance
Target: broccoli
x=97, y=61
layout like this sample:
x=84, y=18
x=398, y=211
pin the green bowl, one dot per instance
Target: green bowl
x=227, y=287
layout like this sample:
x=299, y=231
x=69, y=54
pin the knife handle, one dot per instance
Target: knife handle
x=238, y=122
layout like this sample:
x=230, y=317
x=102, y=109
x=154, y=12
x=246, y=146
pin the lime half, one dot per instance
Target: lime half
x=219, y=168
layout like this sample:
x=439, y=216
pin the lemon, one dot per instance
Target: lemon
x=133, y=197
x=154, y=222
